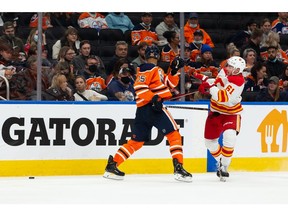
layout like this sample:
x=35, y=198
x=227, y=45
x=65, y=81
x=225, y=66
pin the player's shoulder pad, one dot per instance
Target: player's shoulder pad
x=237, y=80
x=146, y=67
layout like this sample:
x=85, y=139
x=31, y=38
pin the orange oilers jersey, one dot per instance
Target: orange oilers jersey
x=189, y=35
x=195, y=54
x=199, y=67
x=139, y=34
x=96, y=84
x=168, y=54
x=152, y=80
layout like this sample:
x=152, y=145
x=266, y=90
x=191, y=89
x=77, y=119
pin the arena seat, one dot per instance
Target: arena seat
x=55, y=33
x=108, y=36
x=127, y=36
x=88, y=34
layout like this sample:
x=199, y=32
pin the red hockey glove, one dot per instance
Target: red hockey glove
x=204, y=87
x=200, y=76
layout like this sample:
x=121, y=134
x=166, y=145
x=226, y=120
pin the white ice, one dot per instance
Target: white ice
x=244, y=188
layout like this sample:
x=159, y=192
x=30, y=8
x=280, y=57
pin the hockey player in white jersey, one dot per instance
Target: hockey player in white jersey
x=225, y=109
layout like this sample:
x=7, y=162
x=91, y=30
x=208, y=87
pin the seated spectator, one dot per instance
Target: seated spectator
x=196, y=45
x=231, y=51
x=266, y=28
x=280, y=25
x=254, y=42
x=65, y=68
x=273, y=39
x=23, y=85
x=187, y=59
x=33, y=39
x=249, y=55
x=59, y=90
x=272, y=92
x=191, y=26
x=274, y=66
x=79, y=61
x=6, y=54
x=121, y=51
x=206, y=65
x=144, y=31
x=6, y=72
x=46, y=21
x=70, y=39
x=172, y=49
x=120, y=88
x=141, y=54
x=95, y=78
x=258, y=78
x=168, y=24
x=283, y=83
x=66, y=54
x=93, y=20
x=84, y=94
x=9, y=38
x=242, y=37
x=33, y=52
x=119, y=21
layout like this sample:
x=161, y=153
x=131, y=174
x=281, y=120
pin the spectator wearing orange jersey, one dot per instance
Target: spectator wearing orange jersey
x=196, y=45
x=191, y=26
x=144, y=31
x=46, y=21
x=172, y=49
x=95, y=77
x=206, y=65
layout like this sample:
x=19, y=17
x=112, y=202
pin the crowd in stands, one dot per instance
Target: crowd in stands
x=93, y=56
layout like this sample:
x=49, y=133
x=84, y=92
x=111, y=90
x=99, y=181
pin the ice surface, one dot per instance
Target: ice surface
x=244, y=188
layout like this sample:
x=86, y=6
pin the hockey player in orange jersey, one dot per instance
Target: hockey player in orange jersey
x=151, y=87
x=225, y=109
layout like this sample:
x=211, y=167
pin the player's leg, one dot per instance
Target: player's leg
x=167, y=125
x=229, y=140
x=212, y=132
x=140, y=133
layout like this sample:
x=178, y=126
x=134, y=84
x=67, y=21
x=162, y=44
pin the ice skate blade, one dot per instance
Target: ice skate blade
x=179, y=177
x=222, y=179
x=109, y=175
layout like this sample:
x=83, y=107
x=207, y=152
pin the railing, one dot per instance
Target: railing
x=7, y=88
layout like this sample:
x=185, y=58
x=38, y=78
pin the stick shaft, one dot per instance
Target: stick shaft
x=183, y=107
x=180, y=96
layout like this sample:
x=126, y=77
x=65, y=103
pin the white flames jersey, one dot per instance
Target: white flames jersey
x=226, y=95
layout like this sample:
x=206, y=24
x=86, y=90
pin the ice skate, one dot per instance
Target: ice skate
x=180, y=174
x=222, y=172
x=111, y=170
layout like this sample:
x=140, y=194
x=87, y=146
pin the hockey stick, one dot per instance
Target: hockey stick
x=183, y=107
x=180, y=96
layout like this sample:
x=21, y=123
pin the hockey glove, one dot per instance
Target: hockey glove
x=176, y=64
x=204, y=88
x=200, y=76
x=157, y=103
